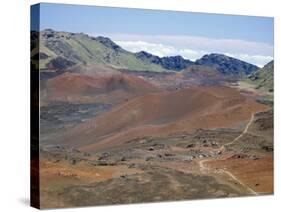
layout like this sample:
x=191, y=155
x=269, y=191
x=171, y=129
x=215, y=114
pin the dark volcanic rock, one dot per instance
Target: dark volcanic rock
x=227, y=65
x=171, y=63
x=145, y=56
x=190, y=146
x=60, y=63
x=268, y=148
x=175, y=62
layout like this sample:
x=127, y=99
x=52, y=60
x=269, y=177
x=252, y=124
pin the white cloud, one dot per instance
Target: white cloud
x=153, y=48
x=258, y=60
x=166, y=50
x=192, y=47
x=160, y=49
x=191, y=54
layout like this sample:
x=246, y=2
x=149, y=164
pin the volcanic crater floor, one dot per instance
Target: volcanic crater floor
x=213, y=163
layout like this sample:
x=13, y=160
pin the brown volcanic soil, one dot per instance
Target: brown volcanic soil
x=57, y=176
x=182, y=165
x=256, y=174
x=82, y=171
x=163, y=113
x=81, y=88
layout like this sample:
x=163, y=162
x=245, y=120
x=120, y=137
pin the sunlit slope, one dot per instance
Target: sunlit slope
x=60, y=50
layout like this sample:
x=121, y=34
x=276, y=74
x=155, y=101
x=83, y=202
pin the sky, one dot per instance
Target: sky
x=168, y=33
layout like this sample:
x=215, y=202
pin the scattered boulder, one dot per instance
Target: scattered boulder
x=87, y=154
x=268, y=148
x=73, y=161
x=168, y=154
x=190, y=146
x=159, y=156
x=105, y=163
x=254, y=157
x=104, y=156
x=214, y=144
x=151, y=148
x=158, y=146
x=132, y=165
x=239, y=156
x=149, y=159
x=124, y=176
x=219, y=152
x=142, y=141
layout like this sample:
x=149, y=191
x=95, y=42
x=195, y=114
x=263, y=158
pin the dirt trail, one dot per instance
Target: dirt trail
x=244, y=131
x=241, y=183
x=202, y=167
x=205, y=169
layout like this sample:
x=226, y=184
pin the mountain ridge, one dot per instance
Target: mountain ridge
x=80, y=48
x=177, y=62
x=227, y=65
x=61, y=50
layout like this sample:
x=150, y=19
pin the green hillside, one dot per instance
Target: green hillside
x=263, y=78
x=60, y=50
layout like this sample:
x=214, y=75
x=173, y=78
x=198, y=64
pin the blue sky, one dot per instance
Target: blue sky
x=165, y=32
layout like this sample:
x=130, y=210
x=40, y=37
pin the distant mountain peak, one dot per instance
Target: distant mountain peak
x=217, y=56
x=64, y=49
x=168, y=62
x=227, y=65
x=144, y=53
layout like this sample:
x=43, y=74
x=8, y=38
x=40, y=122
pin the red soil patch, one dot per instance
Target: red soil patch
x=107, y=89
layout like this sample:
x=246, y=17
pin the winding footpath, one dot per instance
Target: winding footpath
x=205, y=169
x=244, y=131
